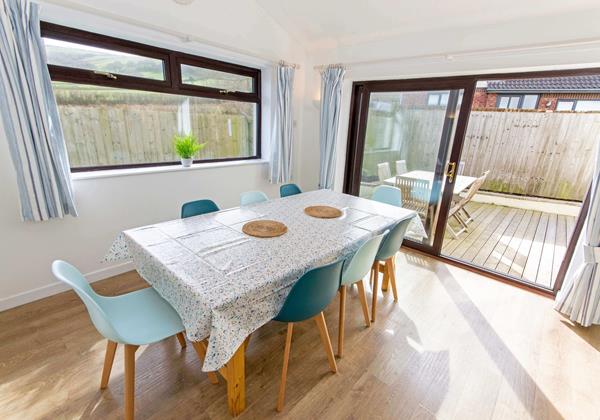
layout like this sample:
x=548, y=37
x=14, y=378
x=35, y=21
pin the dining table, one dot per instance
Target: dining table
x=225, y=284
x=461, y=182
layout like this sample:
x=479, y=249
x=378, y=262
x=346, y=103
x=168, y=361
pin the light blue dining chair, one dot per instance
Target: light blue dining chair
x=198, y=207
x=388, y=195
x=289, y=189
x=355, y=269
x=308, y=298
x=385, y=261
x=133, y=319
x=251, y=197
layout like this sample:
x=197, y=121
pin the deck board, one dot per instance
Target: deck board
x=526, y=244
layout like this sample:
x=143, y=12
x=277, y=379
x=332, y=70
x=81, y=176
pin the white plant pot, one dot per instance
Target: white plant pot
x=186, y=163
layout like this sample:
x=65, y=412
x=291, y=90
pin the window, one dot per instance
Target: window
x=578, y=105
x=121, y=102
x=563, y=105
x=437, y=99
x=517, y=101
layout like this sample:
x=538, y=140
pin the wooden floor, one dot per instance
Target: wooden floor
x=526, y=244
x=455, y=346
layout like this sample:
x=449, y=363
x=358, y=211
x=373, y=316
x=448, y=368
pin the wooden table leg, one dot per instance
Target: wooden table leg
x=236, y=381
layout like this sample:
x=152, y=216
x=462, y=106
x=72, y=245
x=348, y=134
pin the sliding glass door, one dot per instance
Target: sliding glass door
x=497, y=166
x=404, y=135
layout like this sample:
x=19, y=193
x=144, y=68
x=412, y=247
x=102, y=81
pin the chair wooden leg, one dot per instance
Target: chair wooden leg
x=454, y=234
x=374, y=301
x=320, y=320
x=386, y=278
x=181, y=339
x=130, y=381
x=286, y=360
x=109, y=357
x=392, y=272
x=200, y=347
x=363, y=302
x=342, y=319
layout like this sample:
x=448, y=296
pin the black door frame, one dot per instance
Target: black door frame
x=361, y=91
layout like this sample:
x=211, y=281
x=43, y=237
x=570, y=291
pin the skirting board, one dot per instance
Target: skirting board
x=58, y=287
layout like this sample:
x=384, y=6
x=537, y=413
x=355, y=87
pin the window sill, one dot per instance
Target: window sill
x=111, y=173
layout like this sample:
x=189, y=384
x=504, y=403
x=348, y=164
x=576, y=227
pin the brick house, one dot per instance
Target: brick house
x=575, y=93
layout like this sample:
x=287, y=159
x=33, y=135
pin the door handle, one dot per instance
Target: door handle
x=450, y=171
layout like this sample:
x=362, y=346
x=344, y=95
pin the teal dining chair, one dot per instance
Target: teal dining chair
x=133, y=319
x=385, y=262
x=251, y=197
x=289, y=189
x=355, y=269
x=388, y=195
x=198, y=207
x=308, y=298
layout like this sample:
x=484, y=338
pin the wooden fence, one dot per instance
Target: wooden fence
x=129, y=128
x=539, y=154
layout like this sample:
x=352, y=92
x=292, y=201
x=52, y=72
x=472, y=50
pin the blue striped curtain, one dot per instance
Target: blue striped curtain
x=30, y=116
x=281, y=146
x=331, y=99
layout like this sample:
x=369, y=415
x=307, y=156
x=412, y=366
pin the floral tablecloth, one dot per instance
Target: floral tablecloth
x=225, y=284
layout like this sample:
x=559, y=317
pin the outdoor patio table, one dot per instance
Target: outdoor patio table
x=225, y=284
x=461, y=182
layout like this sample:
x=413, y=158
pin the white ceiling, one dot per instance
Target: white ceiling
x=333, y=22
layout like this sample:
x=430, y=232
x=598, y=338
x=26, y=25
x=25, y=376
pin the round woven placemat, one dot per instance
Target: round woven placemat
x=264, y=228
x=323, y=212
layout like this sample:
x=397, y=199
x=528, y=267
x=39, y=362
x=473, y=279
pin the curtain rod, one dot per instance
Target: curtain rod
x=481, y=52
x=184, y=37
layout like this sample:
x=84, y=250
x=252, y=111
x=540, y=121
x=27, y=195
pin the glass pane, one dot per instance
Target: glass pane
x=564, y=106
x=503, y=102
x=514, y=209
x=198, y=76
x=587, y=106
x=433, y=99
x=514, y=102
x=444, y=100
x=69, y=54
x=529, y=101
x=405, y=138
x=108, y=126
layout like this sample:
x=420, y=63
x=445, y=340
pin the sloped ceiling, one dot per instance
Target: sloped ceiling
x=330, y=23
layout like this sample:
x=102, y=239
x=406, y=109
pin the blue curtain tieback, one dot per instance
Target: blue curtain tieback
x=591, y=254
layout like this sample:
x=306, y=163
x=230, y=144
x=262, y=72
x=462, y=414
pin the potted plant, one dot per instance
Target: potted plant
x=186, y=147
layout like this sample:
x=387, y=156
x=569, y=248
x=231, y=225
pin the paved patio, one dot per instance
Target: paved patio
x=526, y=244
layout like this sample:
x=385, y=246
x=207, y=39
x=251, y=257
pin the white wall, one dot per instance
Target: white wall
x=110, y=204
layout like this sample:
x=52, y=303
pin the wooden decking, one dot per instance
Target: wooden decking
x=526, y=244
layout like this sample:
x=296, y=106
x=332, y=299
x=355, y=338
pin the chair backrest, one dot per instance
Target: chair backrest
x=415, y=193
x=361, y=262
x=68, y=274
x=401, y=167
x=251, y=197
x=461, y=167
x=383, y=171
x=198, y=207
x=388, y=195
x=393, y=240
x=289, y=189
x=312, y=293
x=475, y=186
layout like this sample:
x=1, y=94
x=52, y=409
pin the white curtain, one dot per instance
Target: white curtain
x=281, y=145
x=579, y=298
x=30, y=116
x=331, y=98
